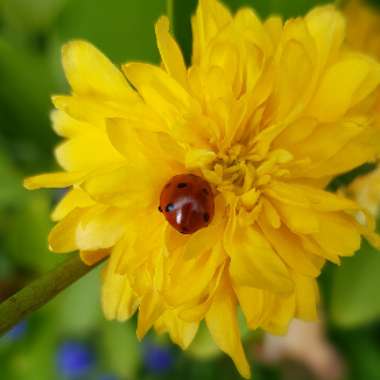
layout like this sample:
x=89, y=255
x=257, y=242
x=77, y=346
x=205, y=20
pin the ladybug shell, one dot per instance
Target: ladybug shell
x=187, y=203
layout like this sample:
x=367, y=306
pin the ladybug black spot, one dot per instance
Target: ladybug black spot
x=159, y=209
x=182, y=185
x=169, y=207
x=206, y=217
x=184, y=229
x=205, y=191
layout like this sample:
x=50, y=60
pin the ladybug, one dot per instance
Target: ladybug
x=187, y=202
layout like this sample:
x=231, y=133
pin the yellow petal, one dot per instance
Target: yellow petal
x=73, y=199
x=281, y=312
x=294, y=198
x=255, y=264
x=100, y=227
x=299, y=219
x=62, y=237
x=93, y=257
x=274, y=26
x=139, y=144
x=360, y=149
x=211, y=16
x=327, y=27
x=253, y=303
x=87, y=152
x=334, y=226
x=253, y=29
x=195, y=312
x=151, y=308
x=118, y=299
x=296, y=79
x=181, y=332
x=170, y=52
x=344, y=84
x=54, y=180
x=197, y=158
x=207, y=238
x=204, y=267
x=90, y=109
x=159, y=90
x=89, y=72
x=125, y=187
x=307, y=298
x=66, y=126
x=222, y=322
x=290, y=249
x=142, y=242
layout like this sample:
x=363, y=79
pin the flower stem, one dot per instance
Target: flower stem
x=40, y=291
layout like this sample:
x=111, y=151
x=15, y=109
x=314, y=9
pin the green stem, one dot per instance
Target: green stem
x=40, y=291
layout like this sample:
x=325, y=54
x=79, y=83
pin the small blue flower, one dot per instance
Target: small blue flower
x=157, y=358
x=74, y=359
x=17, y=332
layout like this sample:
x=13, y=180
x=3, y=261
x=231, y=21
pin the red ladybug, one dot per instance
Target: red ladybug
x=187, y=202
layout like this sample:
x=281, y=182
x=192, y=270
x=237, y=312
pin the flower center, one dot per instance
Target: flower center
x=243, y=175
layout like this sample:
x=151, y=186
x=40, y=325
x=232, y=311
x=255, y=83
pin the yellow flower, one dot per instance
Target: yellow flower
x=366, y=190
x=363, y=33
x=268, y=113
x=363, y=27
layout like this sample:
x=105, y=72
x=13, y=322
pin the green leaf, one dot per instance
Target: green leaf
x=124, y=30
x=11, y=192
x=24, y=104
x=355, y=297
x=26, y=233
x=284, y=8
x=26, y=15
x=361, y=352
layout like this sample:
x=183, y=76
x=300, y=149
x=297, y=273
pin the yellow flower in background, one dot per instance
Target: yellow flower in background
x=363, y=26
x=366, y=190
x=363, y=33
x=267, y=113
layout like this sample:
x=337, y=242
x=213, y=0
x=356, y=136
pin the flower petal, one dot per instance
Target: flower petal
x=255, y=264
x=54, y=180
x=93, y=257
x=170, y=52
x=100, y=227
x=62, y=237
x=89, y=72
x=151, y=308
x=210, y=17
x=73, y=199
x=355, y=76
x=118, y=299
x=290, y=249
x=334, y=226
x=87, y=152
x=222, y=322
x=181, y=332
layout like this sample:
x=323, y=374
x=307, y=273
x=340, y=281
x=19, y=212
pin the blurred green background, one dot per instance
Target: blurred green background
x=68, y=338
